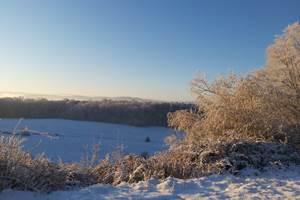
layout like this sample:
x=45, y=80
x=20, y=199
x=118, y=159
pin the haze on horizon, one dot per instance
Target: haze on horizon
x=138, y=48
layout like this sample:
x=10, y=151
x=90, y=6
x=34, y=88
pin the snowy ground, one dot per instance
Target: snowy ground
x=75, y=137
x=279, y=184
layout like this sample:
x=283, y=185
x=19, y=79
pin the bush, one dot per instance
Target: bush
x=195, y=161
x=220, y=157
x=264, y=105
x=18, y=170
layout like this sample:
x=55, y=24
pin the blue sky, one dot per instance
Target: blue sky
x=148, y=49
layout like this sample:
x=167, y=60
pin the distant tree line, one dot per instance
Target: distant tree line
x=137, y=113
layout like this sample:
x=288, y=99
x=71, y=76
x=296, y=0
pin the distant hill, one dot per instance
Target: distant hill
x=72, y=97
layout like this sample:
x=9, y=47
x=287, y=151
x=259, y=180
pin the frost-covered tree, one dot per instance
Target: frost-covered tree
x=265, y=104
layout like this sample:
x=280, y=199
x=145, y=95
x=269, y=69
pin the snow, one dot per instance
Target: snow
x=273, y=184
x=75, y=138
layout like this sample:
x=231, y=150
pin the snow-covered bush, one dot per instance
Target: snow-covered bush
x=251, y=121
x=264, y=105
x=191, y=161
x=19, y=170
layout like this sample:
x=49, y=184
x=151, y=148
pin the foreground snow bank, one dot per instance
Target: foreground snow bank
x=272, y=184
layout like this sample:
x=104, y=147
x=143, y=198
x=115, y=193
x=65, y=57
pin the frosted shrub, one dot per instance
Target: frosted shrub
x=250, y=121
x=264, y=105
x=19, y=170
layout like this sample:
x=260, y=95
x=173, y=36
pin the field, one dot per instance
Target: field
x=72, y=140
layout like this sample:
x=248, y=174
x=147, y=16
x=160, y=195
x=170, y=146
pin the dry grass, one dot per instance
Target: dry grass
x=196, y=161
x=19, y=170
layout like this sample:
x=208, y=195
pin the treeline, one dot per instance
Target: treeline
x=137, y=113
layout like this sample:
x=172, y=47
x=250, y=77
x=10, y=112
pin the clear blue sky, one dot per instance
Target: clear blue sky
x=149, y=49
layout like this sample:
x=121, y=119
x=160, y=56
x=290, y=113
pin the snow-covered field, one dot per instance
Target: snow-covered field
x=73, y=136
x=76, y=138
x=279, y=184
